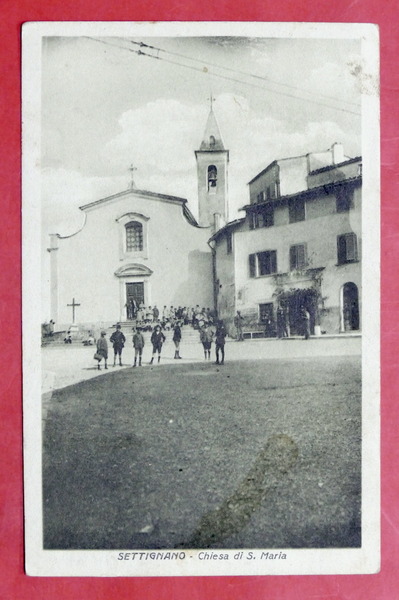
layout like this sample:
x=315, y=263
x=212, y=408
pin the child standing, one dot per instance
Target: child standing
x=206, y=337
x=177, y=339
x=157, y=339
x=220, y=341
x=138, y=345
x=118, y=340
x=102, y=350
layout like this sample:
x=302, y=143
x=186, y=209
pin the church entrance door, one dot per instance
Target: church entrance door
x=134, y=297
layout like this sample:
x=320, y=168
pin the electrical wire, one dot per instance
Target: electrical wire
x=245, y=73
x=226, y=77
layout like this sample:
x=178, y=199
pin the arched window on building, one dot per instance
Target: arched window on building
x=350, y=314
x=212, y=177
x=134, y=236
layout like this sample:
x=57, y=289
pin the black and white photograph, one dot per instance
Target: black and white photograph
x=201, y=298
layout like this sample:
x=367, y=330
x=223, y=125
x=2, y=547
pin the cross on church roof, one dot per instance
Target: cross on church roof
x=132, y=169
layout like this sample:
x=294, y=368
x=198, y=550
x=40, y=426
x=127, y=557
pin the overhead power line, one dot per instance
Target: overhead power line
x=245, y=73
x=226, y=77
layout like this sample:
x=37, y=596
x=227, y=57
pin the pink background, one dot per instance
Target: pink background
x=14, y=584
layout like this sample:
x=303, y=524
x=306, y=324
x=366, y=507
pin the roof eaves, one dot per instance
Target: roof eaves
x=226, y=227
x=164, y=197
x=308, y=192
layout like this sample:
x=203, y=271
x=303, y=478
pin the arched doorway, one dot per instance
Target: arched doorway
x=350, y=307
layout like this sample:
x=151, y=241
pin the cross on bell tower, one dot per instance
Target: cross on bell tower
x=211, y=101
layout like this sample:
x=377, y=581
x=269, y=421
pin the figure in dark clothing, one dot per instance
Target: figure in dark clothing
x=177, y=339
x=157, y=339
x=282, y=330
x=306, y=323
x=220, y=339
x=133, y=308
x=155, y=314
x=118, y=340
x=238, y=321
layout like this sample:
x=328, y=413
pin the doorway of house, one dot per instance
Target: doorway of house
x=350, y=307
x=266, y=318
x=293, y=302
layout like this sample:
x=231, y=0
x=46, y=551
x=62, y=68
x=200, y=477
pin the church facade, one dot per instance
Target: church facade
x=141, y=245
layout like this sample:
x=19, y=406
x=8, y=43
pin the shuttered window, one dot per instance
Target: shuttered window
x=347, y=248
x=296, y=210
x=297, y=257
x=263, y=263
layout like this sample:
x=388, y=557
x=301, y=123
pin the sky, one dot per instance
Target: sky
x=105, y=107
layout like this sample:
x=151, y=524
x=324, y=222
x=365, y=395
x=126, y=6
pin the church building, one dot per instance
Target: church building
x=297, y=247
x=141, y=245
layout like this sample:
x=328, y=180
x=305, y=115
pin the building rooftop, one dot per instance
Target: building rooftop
x=212, y=139
x=309, y=192
x=335, y=166
x=154, y=195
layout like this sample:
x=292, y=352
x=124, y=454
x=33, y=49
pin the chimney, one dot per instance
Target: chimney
x=337, y=151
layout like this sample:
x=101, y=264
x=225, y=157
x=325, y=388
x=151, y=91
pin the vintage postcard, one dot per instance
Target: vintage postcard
x=201, y=298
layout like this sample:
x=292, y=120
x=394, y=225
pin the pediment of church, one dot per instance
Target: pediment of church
x=133, y=270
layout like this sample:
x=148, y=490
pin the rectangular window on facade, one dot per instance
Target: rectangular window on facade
x=134, y=236
x=266, y=312
x=260, y=197
x=296, y=210
x=229, y=242
x=268, y=215
x=267, y=262
x=252, y=265
x=347, y=248
x=344, y=198
x=297, y=257
x=254, y=220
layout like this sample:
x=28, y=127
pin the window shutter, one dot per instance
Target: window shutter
x=300, y=256
x=252, y=265
x=273, y=261
x=292, y=258
x=351, y=247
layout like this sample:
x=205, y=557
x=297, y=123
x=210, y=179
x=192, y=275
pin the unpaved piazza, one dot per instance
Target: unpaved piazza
x=255, y=454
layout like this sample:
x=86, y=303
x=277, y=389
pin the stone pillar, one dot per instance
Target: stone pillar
x=53, y=250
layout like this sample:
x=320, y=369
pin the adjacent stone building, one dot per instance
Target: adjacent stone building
x=298, y=246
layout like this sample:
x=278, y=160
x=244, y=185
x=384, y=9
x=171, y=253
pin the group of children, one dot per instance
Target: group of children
x=147, y=317
x=118, y=340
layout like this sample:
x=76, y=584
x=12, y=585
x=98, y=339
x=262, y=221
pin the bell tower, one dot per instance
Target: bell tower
x=212, y=169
